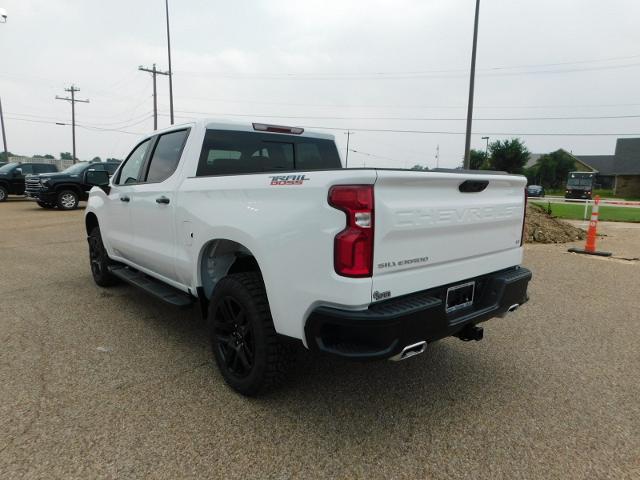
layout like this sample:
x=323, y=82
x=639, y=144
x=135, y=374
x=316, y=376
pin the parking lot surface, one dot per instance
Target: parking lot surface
x=108, y=383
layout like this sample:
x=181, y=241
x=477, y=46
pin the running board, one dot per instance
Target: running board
x=153, y=287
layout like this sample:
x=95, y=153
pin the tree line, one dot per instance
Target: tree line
x=550, y=170
x=4, y=157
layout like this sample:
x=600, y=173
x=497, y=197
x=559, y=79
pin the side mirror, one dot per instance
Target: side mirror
x=17, y=172
x=97, y=178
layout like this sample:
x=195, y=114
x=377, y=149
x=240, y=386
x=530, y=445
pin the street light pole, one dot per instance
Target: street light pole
x=467, y=144
x=486, y=150
x=166, y=4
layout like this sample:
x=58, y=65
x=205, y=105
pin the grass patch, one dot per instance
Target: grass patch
x=607, y=213
x=608, y=193
x=559, y=192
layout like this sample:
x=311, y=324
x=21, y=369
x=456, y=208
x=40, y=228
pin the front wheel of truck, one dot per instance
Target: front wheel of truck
x=100, y=260
x=246, y=348
x=68, y=200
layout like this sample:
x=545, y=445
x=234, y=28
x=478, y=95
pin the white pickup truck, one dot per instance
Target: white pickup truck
x=262, y=226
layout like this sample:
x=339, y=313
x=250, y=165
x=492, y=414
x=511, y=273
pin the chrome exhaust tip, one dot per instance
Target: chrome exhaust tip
x=409, y=351
x=511, y=309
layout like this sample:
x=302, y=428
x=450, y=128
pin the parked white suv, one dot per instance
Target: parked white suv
x=277, y=242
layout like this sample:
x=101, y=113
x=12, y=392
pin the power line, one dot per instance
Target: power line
x=505, y=134
x=401, y=76
x=144, y=116
x=413, y=106
x=79, y=125
x=437, y=119
x=435, y=132
x=73, y=100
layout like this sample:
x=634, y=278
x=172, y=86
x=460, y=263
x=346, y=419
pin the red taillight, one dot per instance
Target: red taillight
x=524, y=218
x=353, y=246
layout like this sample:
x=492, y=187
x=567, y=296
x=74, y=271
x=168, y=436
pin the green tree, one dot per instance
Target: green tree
x=419, y=167
x=551, y=170
x=478, y=160
x=47, y=155
x=66, y=156
x=508, y=155
x=113, y=160
x=96, y=159
x=4, y=156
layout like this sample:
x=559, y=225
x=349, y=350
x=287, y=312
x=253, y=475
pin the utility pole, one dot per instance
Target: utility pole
x=4, y=135
x=346, y=161
x=73, y=101
x=3, y=19
x=166, y=4
x=467, y=144
x=438, y=156
x=154, y=72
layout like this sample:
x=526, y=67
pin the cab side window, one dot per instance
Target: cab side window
x=133, y=164
x=166, y=156
x=26, y=168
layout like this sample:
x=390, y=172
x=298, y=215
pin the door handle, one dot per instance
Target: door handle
x=162, y=199
x=124, y=198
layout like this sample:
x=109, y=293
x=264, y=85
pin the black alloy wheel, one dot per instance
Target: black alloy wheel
x=99, y=260
x=250, y=355
x=235, y=339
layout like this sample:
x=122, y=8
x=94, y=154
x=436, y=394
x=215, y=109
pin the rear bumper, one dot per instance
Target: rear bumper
x=385, y=328
x=577, y=194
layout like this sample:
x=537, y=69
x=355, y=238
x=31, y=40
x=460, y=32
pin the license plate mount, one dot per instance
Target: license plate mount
x=460, y=296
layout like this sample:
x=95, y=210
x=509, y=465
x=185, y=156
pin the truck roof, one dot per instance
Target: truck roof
x=220, y=124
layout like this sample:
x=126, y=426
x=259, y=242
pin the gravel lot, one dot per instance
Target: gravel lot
x=99, y=383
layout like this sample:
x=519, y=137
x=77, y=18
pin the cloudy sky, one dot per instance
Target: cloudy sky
x=380, y=68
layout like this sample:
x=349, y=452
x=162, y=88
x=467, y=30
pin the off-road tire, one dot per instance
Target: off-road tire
x=4, y=193
x=271, y=356
x=68, y=200
x=100, y=261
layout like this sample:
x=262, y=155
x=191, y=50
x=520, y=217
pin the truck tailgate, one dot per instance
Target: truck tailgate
x=429, y=233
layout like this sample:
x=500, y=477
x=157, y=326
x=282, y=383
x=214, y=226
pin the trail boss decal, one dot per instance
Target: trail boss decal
x=288, y=180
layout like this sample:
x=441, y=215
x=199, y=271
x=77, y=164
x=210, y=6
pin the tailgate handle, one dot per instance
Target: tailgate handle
x=473, y=186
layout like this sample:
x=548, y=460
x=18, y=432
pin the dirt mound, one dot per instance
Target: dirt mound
x=543, y=228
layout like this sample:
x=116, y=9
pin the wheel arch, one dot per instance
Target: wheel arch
x=90, y=222
x=221, y=257
x=68, y=186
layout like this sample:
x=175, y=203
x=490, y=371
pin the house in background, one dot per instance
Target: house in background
x=620, y=171
x=603, y=164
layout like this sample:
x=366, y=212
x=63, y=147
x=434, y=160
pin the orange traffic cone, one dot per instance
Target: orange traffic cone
x=590, y=244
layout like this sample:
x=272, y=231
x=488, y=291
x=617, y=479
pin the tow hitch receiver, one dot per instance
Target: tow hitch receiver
x=471, y=332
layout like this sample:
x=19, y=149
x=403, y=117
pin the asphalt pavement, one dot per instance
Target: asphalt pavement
x=108, y=383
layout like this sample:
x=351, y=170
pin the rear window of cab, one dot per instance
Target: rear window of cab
x=227, y=152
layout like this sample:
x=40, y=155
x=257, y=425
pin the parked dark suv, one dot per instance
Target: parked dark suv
x=65, y=189
x=535, y=191
x=12, y=176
